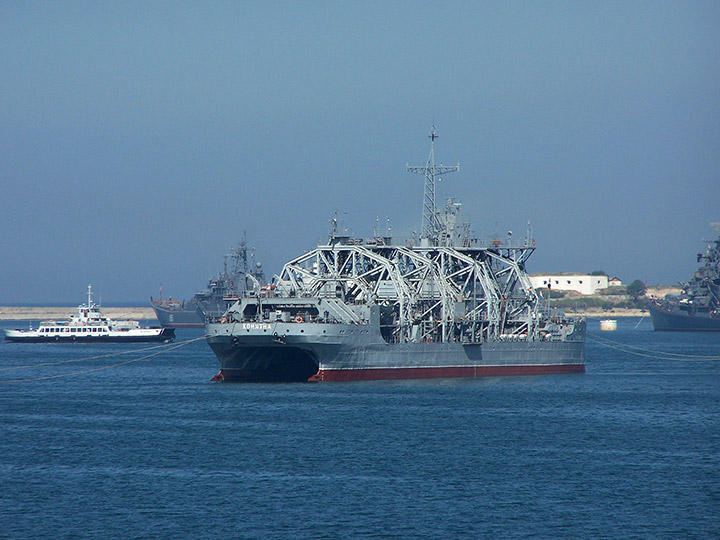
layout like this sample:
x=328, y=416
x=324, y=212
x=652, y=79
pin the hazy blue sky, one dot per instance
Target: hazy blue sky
x=140, y=139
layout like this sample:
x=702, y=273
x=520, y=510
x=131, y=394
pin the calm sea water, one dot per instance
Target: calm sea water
x=153, y=449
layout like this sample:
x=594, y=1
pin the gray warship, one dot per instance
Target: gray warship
x=214, y=300
x=440, y=305
x=697, y=308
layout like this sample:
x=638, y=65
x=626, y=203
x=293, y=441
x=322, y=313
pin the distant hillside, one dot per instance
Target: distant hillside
x=611, y=301
x=20, y=313
x=659, y=291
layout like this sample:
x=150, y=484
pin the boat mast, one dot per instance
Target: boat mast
x=430, y=226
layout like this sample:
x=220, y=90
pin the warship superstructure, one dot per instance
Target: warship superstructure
x=443, y=304
x=221, y=292
x=697, y=308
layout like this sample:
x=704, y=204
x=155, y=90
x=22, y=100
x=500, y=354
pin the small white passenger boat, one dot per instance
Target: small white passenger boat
x=89, y=325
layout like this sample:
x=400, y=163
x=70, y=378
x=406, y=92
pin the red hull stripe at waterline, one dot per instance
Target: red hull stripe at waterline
x=441, y=372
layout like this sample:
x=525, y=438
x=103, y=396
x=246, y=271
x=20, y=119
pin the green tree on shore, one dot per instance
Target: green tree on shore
x=636, y=289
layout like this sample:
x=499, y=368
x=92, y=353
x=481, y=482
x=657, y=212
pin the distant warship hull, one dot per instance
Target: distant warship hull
x=187, y=315
x=697, y=308
x=178, y=318
x=333, y=352
x=672, y=320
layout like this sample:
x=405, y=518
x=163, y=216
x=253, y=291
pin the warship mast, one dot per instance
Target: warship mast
x=430, y=225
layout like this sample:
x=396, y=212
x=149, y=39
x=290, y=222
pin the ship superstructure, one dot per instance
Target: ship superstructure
x=455, y=290
x=441, y=305
x=697, y=308
x=238, y=276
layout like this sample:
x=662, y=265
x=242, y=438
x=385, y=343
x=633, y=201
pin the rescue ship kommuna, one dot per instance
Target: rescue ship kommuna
x=89, y=325
x=441, y=305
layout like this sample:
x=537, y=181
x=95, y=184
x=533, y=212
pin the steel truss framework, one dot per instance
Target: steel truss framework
x=427, y=294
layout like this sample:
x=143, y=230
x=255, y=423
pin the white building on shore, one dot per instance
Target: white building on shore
x=568, y=281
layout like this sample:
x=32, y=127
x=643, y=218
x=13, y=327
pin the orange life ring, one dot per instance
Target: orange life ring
x=299, y=319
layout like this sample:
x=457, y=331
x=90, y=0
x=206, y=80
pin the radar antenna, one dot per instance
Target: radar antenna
x=430, y=225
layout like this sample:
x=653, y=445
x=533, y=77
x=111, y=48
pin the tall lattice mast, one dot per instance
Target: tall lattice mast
x=430, y=226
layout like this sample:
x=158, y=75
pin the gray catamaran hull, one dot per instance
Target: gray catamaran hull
x=351, y=352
